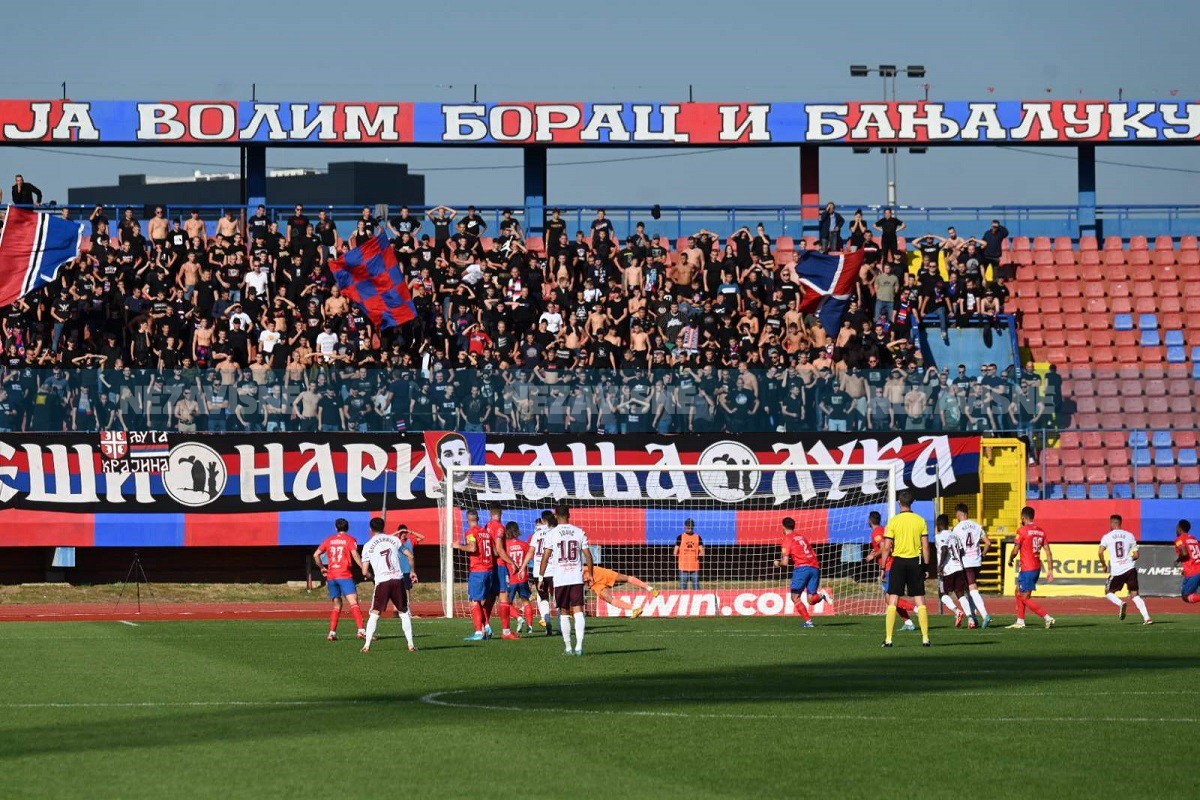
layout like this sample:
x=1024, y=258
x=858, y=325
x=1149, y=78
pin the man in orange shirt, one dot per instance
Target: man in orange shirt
x=689, y=549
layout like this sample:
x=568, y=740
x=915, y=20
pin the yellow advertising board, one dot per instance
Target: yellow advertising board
x=1077, y=572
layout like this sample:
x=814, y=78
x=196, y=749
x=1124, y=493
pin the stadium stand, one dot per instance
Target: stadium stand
x=623, y=331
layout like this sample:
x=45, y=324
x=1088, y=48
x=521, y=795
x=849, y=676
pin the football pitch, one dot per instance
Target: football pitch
x=655, y=709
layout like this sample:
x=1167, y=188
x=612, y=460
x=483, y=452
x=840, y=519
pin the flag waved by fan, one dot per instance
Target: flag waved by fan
x=371, y=276
x=828, y=281
x=33, y=247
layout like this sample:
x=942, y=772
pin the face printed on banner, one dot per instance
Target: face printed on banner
x=453, y=452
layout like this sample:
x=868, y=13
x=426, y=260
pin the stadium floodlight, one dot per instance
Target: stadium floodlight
x=861, y=150
x=888, y=70
x=637, y=511
x=915, y=71
x=859, y=70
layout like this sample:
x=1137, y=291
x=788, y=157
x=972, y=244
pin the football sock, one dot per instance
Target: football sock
x=1020, y=608
x=357, y=612
x=948, y=603
x=372, y=624
x=406, y=623
x=802, y=610
x=1116, y=601
x=1033, y=606
x=564, y=627
x=923, y=621
x=1192, y=598
x=529, y=615
x=890, y=624
x=977, y=599
x=487, y=612
x=477, y=616
x=965, y=604
x=544, y=609
x=505, y=616
x=1141, y=606
x=334, y=616
x=580, y=626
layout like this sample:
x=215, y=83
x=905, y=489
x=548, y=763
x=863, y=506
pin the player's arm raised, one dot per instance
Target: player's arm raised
x=469, y=546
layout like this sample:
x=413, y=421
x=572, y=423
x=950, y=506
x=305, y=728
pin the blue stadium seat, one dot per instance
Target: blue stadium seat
x=1122, y=491
x=1056, y=492
x=1077, y=491
x=1148, y=322
x=1187, y=457
x=1162, y=439
x=1098, y=491
x=1196, y=353
x=1174, y=339
x=1176, y=355
x=1168, y=491
x=1191, y=491
x=1196, y=370
x=1123, y=322
x=1032, y=493
x=1141, y=457
x=1144, y=491
x=1138, y=439
x=1150, y=338
x=1164, y=457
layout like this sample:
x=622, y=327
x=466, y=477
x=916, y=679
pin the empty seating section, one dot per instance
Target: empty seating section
x=1121, y=323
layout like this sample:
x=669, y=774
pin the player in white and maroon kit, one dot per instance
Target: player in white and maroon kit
x=567, y=547
x=1119, y=549
x=383, y=556
x=950, y=568
x=975, y=544
x=543, y=581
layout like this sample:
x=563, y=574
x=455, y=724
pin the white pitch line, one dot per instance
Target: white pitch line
x=202, y=704
x=435, y=699
x=127, y=622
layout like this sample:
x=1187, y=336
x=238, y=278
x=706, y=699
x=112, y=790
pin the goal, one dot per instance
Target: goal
x=634, y=516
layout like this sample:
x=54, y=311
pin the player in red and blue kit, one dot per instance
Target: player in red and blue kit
x=878, y=534
x=1030, y=542
x=482, y=585
x=495, y=531
x=340, y=551
x=806, y=572
x=1187, y=552
x=518, y=577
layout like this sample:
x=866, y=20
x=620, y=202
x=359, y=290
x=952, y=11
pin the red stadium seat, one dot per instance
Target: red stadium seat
x=1056, y=355
x=1043, y=258
x=1090, y=257
x=1071, y=456
x=1032, y=338
x=1095, y=475
x=1108, y=389
x=1120, y=474
x=1145, y=305
x=785, y=243
x=1166, y=474
x=1184, y=438
x=1119, y=288
x=1125, y=338
x=1113, y=243
x=1095, y=288
x=1109, y=405
x=1055, y=337
x=1152, y=371
x=1170, y=320
x=1164, y=242
x=1164, y=258
x=1138, y=243
x=1114, y=257
x=1072, y=304
x=1158, y=405
x=1139, y=257
x=1113, y=441
x=1152, y=355
x=1101, y=338
x=1050, y=305
x=1063, y=243
x=1069, y=440
x=1166, y=288
x=1073, y=474
x=1064, y=258
x=1087, y=243
x=1170, y=305
x=1189, y=474
x=1093, y=457
x=1191, y=304
x=1102, y=354
x=1041, y=243
x=1127, y=355
x=1179, y=388
x=1144, y=289
x=1164, y=421
x=1189, y=258
x=1020, y=243
x=1088, y=420
x=1092, y=273
x=1189, y=242
x=1153, y=388
x=1091, y=440
x=1133, y=405
x=1085, y=405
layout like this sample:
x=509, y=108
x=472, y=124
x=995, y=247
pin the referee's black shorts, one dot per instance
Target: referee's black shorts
x=907, y=577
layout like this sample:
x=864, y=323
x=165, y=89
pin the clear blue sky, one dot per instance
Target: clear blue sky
x=747, y=51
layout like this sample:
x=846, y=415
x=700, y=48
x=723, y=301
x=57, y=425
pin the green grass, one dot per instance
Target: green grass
x=656, y=709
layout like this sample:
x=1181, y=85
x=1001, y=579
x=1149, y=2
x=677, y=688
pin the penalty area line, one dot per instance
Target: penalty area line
x=438, y=699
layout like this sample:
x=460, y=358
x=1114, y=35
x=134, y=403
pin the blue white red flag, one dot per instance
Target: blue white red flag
x=371, y=276
x=828, y=281
x=33, y=247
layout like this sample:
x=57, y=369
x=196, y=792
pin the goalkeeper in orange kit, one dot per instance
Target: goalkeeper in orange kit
x=604, y=580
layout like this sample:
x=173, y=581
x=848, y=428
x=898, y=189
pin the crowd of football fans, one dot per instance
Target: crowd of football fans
x=241, y=326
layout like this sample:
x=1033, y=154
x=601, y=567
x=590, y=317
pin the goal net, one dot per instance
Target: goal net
x=638, y=520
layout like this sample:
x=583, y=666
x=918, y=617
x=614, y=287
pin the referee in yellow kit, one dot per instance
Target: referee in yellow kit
x=907, y=543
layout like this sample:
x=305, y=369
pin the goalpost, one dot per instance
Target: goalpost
x=633, y=516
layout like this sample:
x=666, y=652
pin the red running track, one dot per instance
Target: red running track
x=96, y=612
